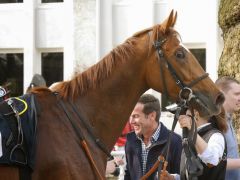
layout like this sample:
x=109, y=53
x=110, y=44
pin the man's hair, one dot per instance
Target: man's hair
x=224, y=82
x=151, y=103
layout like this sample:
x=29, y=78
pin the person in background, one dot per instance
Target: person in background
x=231, y=90
x=37, y=81
x=210, y=146
x=113, y=167
x=149, y=140
x=122, y=139
x=116, y=166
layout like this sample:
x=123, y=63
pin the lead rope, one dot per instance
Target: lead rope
x=180, y=108
x=158, y=163
x=193, y=167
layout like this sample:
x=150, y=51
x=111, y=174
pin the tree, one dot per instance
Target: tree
x=229, y=63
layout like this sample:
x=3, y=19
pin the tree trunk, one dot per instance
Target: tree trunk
x=229, y=63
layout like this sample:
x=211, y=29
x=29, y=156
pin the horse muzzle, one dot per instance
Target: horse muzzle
x=204, y=103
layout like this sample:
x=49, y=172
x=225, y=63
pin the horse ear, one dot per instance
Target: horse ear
x=174, y=19
x=169, y=22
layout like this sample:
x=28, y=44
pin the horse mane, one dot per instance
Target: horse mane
x=92, y=77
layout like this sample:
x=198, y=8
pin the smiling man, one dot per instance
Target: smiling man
x=149, y=140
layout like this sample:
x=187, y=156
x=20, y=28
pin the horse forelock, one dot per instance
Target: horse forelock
x=91, y=78
x=158, y=32
x=155, y=32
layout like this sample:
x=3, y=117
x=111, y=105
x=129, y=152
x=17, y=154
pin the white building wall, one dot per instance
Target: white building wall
x=197, y=29
x=12, y=31
x=51, y=20
x=104, y=27
x=86, y=30
x=54, y=31
x=33, y=27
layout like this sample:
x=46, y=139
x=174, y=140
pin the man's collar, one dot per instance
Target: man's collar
x=155, y=135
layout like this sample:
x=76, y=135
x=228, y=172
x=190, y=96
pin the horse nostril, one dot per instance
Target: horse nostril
x=220, y=99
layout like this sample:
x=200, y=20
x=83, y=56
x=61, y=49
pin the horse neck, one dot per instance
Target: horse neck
x=109, y=106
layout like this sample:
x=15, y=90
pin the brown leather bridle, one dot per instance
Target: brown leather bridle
x=185, y=95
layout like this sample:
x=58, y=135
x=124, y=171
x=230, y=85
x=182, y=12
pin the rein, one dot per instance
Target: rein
x=80, y=135
x=193, y=167
x=186, y=94
x=100, y=144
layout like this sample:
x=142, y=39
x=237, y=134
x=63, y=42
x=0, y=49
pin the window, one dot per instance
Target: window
x=200, y=55
x=51, y=1
x=11, y=71
x=52, y=67
x=10, y=1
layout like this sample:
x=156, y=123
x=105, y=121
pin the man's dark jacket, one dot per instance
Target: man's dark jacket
x=133, y=151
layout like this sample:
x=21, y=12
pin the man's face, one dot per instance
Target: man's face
x=232, y=98
x=141, y=122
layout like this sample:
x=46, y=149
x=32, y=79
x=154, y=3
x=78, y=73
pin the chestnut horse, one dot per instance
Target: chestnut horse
x=105, y=94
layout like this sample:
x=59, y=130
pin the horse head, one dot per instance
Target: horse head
x=172, y=69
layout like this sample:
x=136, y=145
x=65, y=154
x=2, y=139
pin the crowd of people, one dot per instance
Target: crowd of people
x=145, y=138
x=216, y=143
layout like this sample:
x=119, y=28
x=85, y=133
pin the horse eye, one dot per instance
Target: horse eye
x=180, y=54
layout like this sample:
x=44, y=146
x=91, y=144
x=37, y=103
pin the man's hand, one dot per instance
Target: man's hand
x=185, y=121
x=167, y=176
